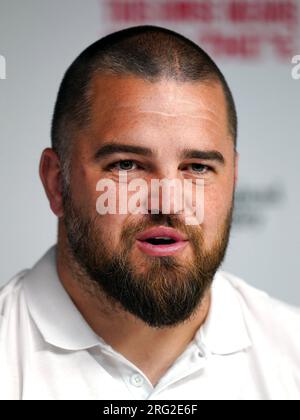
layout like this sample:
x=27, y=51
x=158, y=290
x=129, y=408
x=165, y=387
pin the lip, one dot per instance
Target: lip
x=161, y=231
x=162, y=249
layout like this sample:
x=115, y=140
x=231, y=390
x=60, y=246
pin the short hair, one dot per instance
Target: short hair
x=147, y=52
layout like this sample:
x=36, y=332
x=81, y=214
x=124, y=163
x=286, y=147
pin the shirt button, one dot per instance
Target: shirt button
x=137, y=380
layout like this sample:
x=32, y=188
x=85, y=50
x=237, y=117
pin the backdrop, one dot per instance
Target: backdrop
x=256, y=44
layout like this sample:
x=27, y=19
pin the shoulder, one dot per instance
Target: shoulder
x=12, y=317
x=10, y=292
x=259, y=302
x=13, y=308
x=265, y=316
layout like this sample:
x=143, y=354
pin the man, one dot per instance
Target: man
x=132, y=305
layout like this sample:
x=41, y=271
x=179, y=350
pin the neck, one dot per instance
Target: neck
x=152, y=350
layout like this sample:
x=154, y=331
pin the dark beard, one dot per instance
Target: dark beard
x=161, y=291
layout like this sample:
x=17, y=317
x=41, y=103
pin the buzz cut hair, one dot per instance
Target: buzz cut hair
x=147, y=52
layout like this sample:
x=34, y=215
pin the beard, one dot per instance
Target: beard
x=161, y=291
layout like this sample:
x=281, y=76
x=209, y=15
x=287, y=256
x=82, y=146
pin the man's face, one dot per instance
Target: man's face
x=166, y=120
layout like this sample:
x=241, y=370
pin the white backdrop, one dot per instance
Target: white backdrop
x=252, y=44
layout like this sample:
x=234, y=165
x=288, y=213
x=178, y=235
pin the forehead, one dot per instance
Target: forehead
x=129, y=107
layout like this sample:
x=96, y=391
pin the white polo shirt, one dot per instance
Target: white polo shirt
x=248, y=348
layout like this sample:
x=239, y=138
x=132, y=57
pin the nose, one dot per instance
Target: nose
x=174, y=194
x=166, y=196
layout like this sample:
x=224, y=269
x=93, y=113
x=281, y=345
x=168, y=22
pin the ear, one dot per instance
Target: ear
x=236, y=167
x=51, y=177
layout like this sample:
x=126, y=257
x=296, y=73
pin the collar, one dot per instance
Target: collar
x=224, y=330
x=53, y=311
x=62, y=325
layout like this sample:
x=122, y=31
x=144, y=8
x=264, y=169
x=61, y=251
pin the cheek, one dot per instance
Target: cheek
x=84, y=188
x=110, y=226
x=217, y=203
x=86, y=196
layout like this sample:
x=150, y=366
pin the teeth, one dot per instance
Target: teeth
x=162, y=237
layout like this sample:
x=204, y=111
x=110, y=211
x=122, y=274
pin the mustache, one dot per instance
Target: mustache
x=134, y=227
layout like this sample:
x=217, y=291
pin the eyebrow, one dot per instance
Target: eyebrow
x=112, y=148
x=203, y=154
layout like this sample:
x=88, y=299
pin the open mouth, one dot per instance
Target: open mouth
x=161, y=241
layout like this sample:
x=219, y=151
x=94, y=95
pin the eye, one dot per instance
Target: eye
x=198, y=168
x=124, y=165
